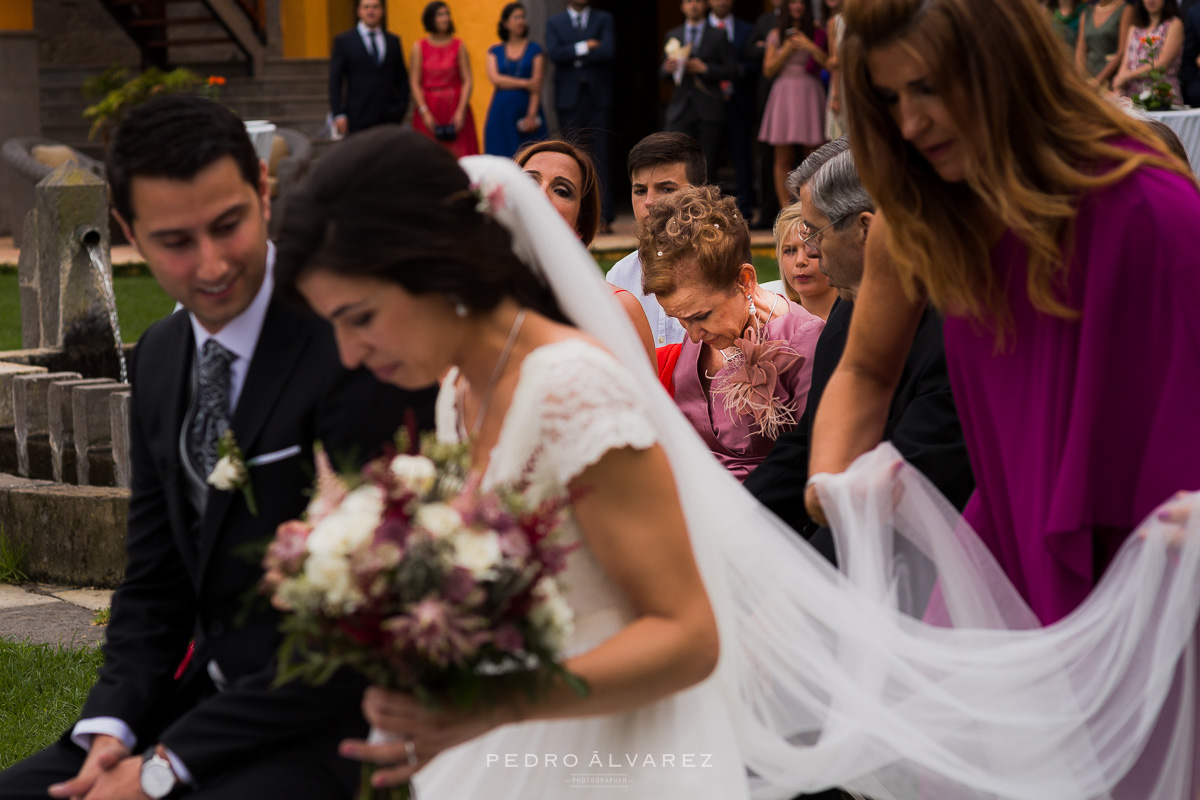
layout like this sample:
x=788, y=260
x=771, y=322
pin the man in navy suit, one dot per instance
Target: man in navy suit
x=739, y=103
x=368, y=82
x=1189, y=71
x=697, y=106
x=582, y=43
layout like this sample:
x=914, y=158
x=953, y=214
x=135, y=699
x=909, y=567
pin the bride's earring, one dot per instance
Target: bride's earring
x=753, y=310
x=460, y=308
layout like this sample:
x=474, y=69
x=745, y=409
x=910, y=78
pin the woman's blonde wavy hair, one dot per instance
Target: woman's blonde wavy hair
x=1037, y=137
x=790, y=218
x=693, y=235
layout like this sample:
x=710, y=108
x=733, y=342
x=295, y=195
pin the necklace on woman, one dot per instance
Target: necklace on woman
x=486, y=399
x=733, y=353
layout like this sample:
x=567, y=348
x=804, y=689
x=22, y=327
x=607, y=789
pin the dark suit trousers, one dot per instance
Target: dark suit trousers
x=299, y=771
x=705, y=132
x=739, y=129
x=590, y=125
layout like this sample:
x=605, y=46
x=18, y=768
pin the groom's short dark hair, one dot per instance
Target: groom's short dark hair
x=176, y=136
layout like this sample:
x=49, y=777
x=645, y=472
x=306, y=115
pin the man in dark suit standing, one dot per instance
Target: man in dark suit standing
x=582, y=43
x=922, y=420
x=191, y=194
x=739, y=99
x=697, y=106
x=1189, y=70
x=368, y=81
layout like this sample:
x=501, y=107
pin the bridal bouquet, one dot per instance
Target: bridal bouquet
x=412, y=574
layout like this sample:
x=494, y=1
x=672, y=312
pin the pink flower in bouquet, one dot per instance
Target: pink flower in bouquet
x=287, y=552
x=437, y=632
x=330, y=488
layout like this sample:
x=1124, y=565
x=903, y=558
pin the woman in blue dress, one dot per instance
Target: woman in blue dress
x=515, y=67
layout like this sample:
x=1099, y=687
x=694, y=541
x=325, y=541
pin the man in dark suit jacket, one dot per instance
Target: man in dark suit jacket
x=739, y=102
x=582, y=43
x=192, y=195
x=697, y=106
x=922, y=420
x=1189, y=70
x=368, y=81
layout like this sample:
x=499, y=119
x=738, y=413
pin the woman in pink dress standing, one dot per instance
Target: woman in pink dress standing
x=795, y=112
x=440, y=76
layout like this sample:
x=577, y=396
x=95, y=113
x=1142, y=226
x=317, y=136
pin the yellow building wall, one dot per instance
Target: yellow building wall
x=16, y=15
x=474, y=22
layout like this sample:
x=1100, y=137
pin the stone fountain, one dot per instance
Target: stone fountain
x=64, y=397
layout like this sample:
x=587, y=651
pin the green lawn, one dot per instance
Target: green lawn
x=42, y=689
x=139, y=302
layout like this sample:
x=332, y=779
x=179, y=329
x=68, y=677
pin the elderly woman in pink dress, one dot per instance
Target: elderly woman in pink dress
x=742, y=375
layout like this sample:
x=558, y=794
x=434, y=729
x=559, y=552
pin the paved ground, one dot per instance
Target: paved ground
x=49, y=614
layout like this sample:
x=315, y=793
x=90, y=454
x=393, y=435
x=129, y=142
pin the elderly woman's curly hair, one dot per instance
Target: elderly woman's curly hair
x=693, y=235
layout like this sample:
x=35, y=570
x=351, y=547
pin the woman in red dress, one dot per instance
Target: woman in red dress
x=440, y=76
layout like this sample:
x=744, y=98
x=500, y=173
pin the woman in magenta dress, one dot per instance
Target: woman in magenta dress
x=795, y=111
x=440, y=77
x=742, y=376
x=1058, y=236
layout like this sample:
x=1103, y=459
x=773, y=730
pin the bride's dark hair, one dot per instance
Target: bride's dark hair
x=393, y=205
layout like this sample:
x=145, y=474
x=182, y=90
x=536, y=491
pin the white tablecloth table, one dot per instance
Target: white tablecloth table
x=1186, y=123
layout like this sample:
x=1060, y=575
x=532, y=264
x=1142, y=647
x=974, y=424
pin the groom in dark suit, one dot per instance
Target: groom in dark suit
x=191, y=194
x=368, y=81
x=697, y=106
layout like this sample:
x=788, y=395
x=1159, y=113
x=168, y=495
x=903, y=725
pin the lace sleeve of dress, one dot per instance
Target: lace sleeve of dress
x=582, y=403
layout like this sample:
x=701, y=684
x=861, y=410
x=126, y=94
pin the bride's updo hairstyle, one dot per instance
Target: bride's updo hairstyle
x=693, y=235
x=393, y=205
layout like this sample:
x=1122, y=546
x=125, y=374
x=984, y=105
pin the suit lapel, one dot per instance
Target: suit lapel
x=173, y=392
x=280, y=344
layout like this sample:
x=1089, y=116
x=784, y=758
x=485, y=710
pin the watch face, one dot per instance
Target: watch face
x=157, y=778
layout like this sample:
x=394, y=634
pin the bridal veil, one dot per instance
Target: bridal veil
x=915, y=670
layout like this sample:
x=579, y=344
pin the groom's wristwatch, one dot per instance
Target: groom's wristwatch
x=158, y=780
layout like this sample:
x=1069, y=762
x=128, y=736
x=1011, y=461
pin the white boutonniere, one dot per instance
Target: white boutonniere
x=230, y=474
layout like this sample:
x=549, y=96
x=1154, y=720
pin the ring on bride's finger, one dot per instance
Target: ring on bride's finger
x=410, y=747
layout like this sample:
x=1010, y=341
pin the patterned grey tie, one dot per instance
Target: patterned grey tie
x=212, y=406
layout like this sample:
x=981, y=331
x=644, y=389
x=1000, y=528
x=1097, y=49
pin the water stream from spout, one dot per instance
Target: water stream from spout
x=110, y=301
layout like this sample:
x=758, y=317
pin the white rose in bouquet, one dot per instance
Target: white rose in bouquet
x=478, y=552
x=351, y=524
x=552, y=615
x=329, y=574
x=417, y=473
x=439, y=519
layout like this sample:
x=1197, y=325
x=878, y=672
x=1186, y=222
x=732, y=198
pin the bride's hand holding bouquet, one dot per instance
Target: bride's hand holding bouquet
x=442, y=594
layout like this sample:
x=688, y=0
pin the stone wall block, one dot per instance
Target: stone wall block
x=32, y=421
x=71, y=203
x=118, y=404
x=29, y=285
x=71, y=534
x=62, y=417
x=93, y=431
x=7, y=373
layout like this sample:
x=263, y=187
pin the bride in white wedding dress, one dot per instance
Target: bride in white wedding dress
x=823, y=678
